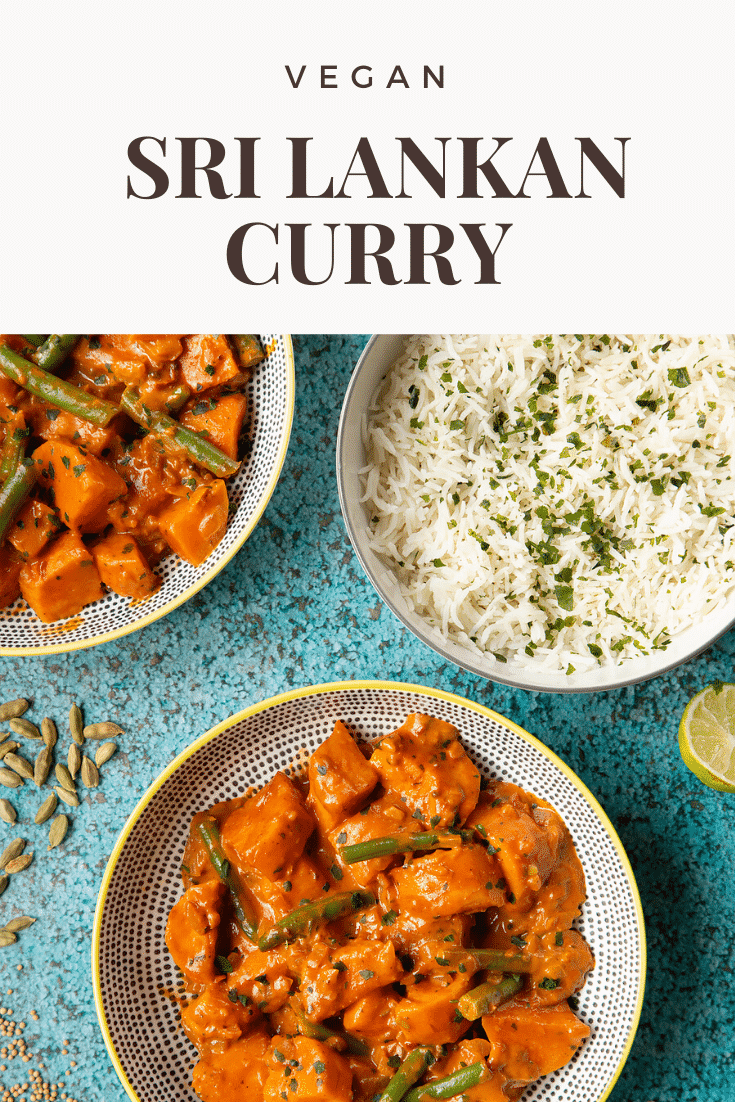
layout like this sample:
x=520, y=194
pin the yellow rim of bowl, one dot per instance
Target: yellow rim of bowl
x=338, y=686
x=117, y=633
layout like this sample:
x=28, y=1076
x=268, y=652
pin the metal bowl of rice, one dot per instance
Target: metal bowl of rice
x=550, y=512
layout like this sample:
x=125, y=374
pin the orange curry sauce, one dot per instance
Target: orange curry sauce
x=379, y=979
x=109, y=502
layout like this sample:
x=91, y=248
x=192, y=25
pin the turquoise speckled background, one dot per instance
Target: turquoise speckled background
x=294, y=609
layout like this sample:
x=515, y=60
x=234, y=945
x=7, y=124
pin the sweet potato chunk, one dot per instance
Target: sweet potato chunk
x=520, y=844
x=276, y=898
x=306, y=880
x=9, y=574
x=332, y=979
x=371, y=1016
x=270, y=831
x=207, y=362
x=558, y=901
x=449, y=882
x=418, y=934
x=56, y=424
x=34, y=526
x=264, y=979
x=309, y=1071
x=555, y=829
x=423, y=766
x=238, y=1072
x=123, y=357
x=191, y=930
x=80, y=484
x=143, y=466
x=106, y=359
x=340, y=779
x=376, y=821
x=428, y=1015
x=220, y=419
x=193, y=525
x=561, y=961
x=537, y=1041
x=158, y=348
x=123, y=568
x=213, y=1019
x=61, y=580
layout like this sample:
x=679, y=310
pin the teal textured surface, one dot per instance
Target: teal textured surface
x=293, y=609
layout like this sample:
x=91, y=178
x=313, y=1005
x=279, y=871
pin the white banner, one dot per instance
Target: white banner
x=336, y=131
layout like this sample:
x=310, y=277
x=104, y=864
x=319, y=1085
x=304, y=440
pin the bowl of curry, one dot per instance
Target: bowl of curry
x=132, y=468
x=366, y=891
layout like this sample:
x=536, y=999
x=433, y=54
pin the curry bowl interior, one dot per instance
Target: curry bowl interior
x=135, y=979
x=376, y=360
x=270, y=410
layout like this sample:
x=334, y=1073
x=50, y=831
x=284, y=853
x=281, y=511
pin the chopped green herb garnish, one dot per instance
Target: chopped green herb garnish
x=565, y=597
x=679, y=376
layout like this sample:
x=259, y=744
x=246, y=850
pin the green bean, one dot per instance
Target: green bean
x=176, y=437
x=318, y=1031
x=412, y=1068
x=402, y=843
x=54, y=350
x=178, y=397
x=12, y=450
x=481, y=1000
x=299, y=922
x=451, y=1085
x=57, y=392
x=495, y=960
x=18, y=485
x=249, y=349
x=34, y=338
x=209, y=833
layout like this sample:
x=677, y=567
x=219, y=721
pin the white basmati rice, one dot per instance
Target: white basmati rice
x=562, y=501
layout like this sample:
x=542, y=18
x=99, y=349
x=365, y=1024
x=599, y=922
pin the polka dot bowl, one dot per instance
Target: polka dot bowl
x=135, y=978
x=271, y=403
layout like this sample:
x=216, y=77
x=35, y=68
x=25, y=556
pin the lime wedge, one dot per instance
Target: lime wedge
x=707, y=736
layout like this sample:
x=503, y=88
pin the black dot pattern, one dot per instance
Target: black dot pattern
x=137, y=977
x=270, y=405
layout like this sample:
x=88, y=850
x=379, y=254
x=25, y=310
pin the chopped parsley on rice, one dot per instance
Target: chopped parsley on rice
x=561, y=501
